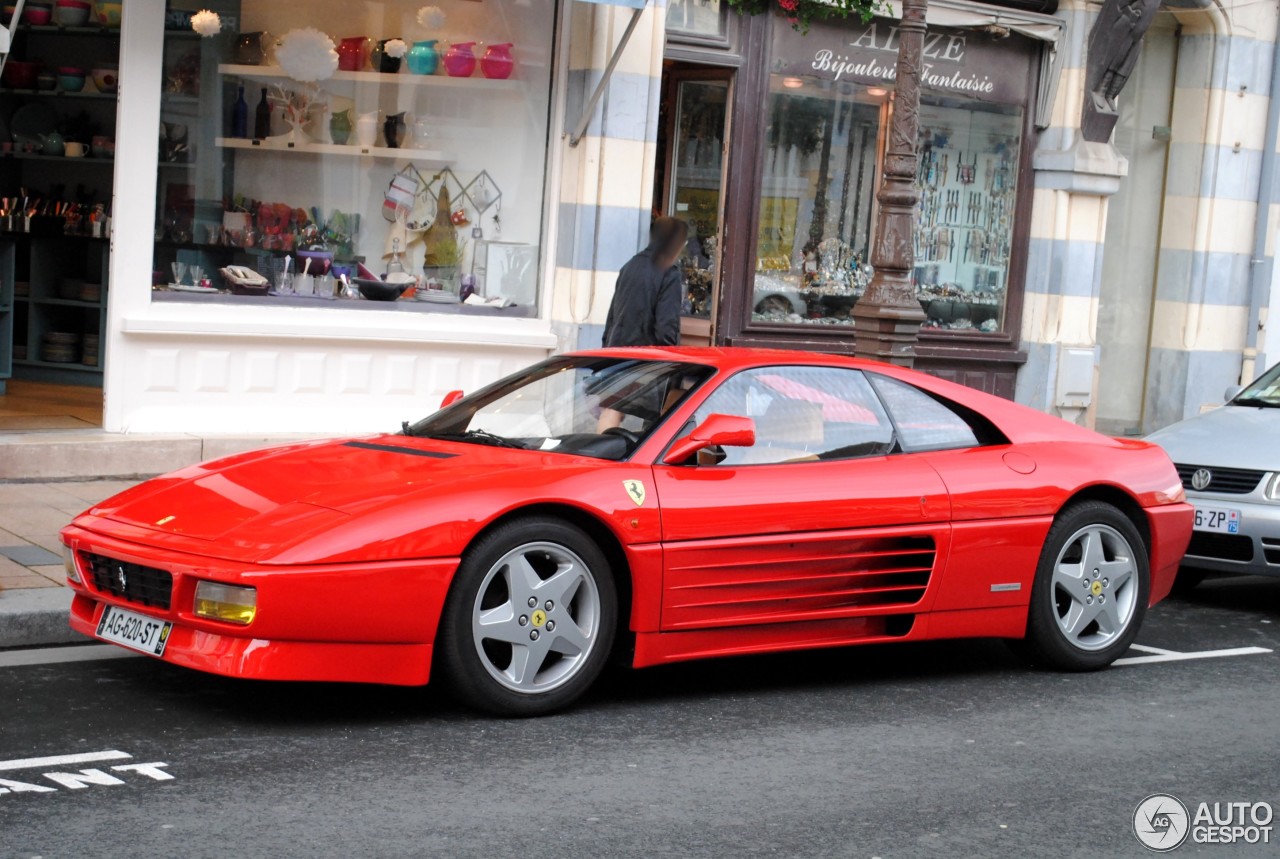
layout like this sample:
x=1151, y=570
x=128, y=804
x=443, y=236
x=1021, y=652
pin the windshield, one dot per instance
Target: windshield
x=1265, y=391
x=598, y=407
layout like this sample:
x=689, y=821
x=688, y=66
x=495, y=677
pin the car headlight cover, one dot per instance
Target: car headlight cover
x=227, y=603
x=69, y=561
x=1273, y=487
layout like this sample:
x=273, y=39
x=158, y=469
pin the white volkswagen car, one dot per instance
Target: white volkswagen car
x=1229, y=461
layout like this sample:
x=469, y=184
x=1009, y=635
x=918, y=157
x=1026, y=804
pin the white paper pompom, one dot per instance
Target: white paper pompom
x=206, y=23
x=431, y=17
x=396, y=48
x=306, y=54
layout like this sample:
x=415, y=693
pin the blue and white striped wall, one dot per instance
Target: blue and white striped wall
x=1201, y=318
x=605, y=182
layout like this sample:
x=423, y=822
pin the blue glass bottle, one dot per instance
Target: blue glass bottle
x=240, y=116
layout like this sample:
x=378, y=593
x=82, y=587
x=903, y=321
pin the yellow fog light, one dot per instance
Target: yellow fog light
x=228, y=603
x=69, y=561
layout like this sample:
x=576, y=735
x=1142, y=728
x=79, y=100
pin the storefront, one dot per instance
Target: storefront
x=773, y=149
x=295, y=175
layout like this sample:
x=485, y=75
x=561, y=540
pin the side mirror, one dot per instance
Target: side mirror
x=715, y=431
x=1232, y=392
x=451, y=398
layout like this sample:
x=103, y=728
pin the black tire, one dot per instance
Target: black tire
x=473, y=669
x=1187, y=581
x=1047, y=644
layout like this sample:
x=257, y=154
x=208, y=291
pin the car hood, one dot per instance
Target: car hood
x=257, y=505
x=1228, y=437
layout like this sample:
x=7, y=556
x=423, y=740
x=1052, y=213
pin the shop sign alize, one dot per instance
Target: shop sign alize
x=951, y=63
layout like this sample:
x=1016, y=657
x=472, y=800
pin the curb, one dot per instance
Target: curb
x=34, y=617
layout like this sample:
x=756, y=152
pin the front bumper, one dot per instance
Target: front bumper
x=366, y=623
x=1255, y=550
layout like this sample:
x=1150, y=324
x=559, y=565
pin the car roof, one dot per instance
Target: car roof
x=1019, y=423
x=733, y=357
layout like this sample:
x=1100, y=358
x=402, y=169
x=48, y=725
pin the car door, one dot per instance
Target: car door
x=816, y=521
x=1001, y=509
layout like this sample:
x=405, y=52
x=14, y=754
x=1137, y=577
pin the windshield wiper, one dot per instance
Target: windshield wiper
x=1255, y=401
x=480, y=436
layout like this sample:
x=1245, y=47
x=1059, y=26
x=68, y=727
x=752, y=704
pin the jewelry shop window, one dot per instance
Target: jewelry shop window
x=363, y=156
x=829, y=101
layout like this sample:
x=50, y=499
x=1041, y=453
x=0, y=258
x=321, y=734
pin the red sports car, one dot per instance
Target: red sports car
x=709, y=501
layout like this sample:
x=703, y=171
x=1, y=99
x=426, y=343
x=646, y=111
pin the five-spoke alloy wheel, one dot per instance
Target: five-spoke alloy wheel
x=530, y=619
x=1091, y=589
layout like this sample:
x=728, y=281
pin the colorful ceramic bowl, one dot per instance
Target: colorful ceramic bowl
x=37, y=14
x=71, y=78
x=66, y=15
x=108, y=14
x=47, y=81
x=106, y=79
x=20, y=75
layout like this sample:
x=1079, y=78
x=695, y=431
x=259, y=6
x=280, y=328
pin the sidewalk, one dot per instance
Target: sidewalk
x=34, y=598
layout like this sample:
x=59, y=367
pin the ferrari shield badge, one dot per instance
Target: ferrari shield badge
x=635, y=491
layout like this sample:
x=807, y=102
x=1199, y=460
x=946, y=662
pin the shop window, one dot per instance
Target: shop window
x=406, y=174
x=698, y=20
x=967, y=181
x=816, y=200
x=802, y=414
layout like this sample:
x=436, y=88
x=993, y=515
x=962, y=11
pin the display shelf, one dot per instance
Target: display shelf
x=59, y=93
x=272, y=73
x=57, y=365
x=35, y=156
x=67, y=302
x=59, y=30
x=428, y=155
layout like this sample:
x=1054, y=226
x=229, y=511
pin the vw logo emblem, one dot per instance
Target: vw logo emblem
x=1201, y=478
x=121, y=579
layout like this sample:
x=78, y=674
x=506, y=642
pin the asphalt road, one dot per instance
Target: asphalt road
x=950, y=749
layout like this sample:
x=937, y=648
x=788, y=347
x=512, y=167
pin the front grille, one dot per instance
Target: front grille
x=1231, y=481
x=1271, y=550
x=1222, y=547
x=146, y=585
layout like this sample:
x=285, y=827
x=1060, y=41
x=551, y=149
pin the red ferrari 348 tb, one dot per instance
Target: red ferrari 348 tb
x=682, y=503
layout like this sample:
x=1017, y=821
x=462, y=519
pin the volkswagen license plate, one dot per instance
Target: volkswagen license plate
x=133, y=630
x=1219, y=519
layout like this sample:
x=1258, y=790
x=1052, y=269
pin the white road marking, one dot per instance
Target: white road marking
x=63, y=760
x=1170, y=656
x=51, y=655
x=1145, y=649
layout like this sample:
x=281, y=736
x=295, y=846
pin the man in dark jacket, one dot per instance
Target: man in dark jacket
x=646, y=301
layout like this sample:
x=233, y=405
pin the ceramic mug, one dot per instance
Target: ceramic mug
x=74, y=150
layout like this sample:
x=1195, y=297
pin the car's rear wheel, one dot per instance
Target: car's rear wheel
x=530, y=618
x=1091, y=589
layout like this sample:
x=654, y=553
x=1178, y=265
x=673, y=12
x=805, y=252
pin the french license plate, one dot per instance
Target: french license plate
x=1220, y=519
x=133, y=630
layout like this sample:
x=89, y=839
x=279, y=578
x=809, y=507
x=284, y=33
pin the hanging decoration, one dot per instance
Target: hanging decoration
x=801, y=13
x=431, y=18
x=307, y=55
x=206, y=23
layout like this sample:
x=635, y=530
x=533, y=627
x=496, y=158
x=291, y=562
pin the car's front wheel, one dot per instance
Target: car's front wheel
x=530, y=618
x=1091, y=589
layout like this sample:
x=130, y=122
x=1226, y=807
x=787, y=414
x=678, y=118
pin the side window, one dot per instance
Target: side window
x=803, y=413
x=923, y=422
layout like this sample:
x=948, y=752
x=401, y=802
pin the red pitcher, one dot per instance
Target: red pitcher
x=459, y=62
x=497, y=62
x=353, y=53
